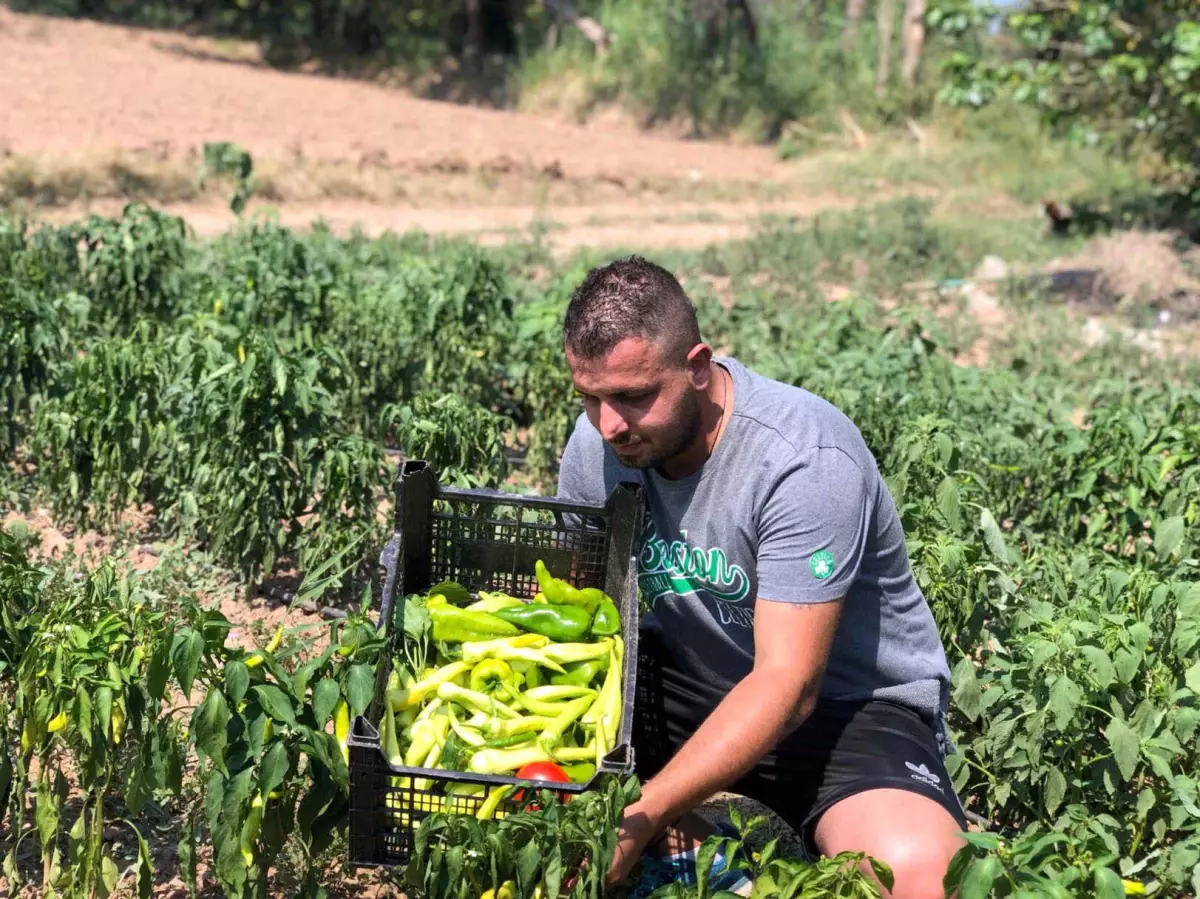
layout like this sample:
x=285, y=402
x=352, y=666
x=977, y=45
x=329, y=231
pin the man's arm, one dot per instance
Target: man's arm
x=812, y=533
x=791, y=648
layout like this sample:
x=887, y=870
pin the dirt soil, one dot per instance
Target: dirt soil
x=115, y=111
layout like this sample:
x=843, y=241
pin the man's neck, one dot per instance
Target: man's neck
x=714, y=411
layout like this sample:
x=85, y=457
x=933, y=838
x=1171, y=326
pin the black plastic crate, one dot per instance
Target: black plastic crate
x=489, y=540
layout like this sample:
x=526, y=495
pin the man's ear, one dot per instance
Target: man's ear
x=698, y=359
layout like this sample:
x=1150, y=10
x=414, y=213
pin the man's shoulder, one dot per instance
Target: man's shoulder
x=797, y=419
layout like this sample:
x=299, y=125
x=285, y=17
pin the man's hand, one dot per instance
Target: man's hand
x=636, y=834
x=791, y=648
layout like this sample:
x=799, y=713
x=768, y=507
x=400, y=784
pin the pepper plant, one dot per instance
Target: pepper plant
x=89, y=698
x=271, y=734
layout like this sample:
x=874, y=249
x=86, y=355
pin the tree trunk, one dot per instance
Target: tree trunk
x=589, y=27
x=885, y=19
x=473, y=44
x=816, y=19
x=854, y=12
x=914, y=39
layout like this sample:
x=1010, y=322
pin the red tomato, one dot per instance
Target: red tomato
x=540, y=771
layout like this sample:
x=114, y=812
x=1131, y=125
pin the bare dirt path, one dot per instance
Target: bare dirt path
x=130, y=109
x=646, y=224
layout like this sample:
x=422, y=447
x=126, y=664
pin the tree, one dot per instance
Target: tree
x=885, y=19
x=854, y=13
x=1127, y=71
x=914, y=39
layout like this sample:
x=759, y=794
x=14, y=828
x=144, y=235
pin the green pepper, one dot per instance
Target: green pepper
x=454, y=625
x=550, y=736
x=560, y=623
x=607, y=620
x=512, y=726
x=580, y=772
x=577, y=652
x=534, y=677
x=415, y=694
x=494, y=798
x=513, y=649
x=498, y=761
x=513, y=740
x=581, y=673
x=491, y=675
x=561, y=593
x=551, y=587
x=490, y=602
x=476, y=701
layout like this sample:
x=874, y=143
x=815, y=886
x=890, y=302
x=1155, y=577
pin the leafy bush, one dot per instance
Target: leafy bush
x=464, y=443
x=236, y=445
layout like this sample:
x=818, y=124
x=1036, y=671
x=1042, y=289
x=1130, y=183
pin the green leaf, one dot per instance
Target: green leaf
x=992, y=536
x=948, y=503
x=186, y=652
x=417, y=620
x=273, y=768
x=1191, y=677
x=276, y=703
x=1056, y=789
x=360, y=687
x=1108, y=884
x=279, y=372
x=1125, y=746
x=1126, y=664
x=1168, y=536
x=102, y=711
x=187, y=859
x=529, y=859
x=1145, y=802
x=237, y=679
x=1102, y=666
x=83, y=714
x=705, y=856
x=967, y=695
x=305, y=672
x=158, y=671
x=145, y=869
x=209, y=723
x=883, y=871
x=325, y=698
x=109, y=875
x=977, y=882
x=1065, y=697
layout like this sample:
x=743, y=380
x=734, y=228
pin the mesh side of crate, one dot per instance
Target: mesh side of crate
x=471, y=544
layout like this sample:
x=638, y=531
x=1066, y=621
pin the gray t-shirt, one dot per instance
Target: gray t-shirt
x=790, y=507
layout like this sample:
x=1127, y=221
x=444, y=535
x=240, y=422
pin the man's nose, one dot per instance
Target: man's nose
x=612, y=424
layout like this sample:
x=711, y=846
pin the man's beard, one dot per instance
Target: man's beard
x=680, y=433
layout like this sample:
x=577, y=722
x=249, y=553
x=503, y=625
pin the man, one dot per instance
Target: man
x=791, y=653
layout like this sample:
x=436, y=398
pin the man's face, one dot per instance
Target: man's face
x=645, y=408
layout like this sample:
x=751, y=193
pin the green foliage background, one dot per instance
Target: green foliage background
x=255, y=390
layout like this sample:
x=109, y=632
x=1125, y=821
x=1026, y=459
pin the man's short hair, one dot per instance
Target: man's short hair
x=630, y=297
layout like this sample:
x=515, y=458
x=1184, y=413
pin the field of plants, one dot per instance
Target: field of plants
x=255, y=391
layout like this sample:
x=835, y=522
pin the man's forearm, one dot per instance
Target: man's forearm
x=752, y=718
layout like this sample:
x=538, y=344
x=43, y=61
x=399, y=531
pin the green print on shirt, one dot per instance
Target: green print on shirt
x=677, y=568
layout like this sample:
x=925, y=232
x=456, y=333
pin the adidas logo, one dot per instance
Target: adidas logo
x=925, y=776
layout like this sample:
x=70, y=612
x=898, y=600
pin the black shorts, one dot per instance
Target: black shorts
x=842, y=749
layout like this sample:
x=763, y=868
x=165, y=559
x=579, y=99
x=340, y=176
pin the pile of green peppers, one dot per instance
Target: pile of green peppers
x=514, y=683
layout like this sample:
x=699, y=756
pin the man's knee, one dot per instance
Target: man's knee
x=918, y=865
